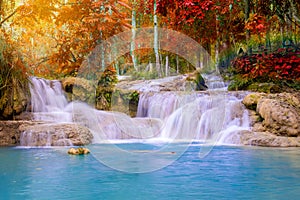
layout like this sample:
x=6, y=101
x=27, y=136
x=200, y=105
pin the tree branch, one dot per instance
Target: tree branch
x=7, y=18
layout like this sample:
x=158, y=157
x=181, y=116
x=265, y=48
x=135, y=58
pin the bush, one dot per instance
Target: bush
x=13, y=81
x=106, y=86
x=280, y=67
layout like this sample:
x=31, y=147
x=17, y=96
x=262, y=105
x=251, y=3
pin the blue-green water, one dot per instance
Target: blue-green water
x=226, y=173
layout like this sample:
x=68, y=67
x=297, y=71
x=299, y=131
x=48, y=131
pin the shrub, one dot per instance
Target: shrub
x=13, y=81
x=280, y=67
x=106, y=86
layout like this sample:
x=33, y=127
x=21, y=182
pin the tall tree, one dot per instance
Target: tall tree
x=156, y=40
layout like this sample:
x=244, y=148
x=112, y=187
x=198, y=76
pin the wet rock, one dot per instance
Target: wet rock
x=55, y=135
x=197, y=78
x=174, y=83
x=78, y=151
x=32, y=133
x=10, y=133
x=254, y=117
x=266, y=139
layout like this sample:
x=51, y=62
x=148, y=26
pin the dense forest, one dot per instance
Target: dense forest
x=254, y=40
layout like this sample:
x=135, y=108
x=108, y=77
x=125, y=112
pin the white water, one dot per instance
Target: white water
x=48, y=100
x=214, y=82
x=30, y=138
x=215, y=115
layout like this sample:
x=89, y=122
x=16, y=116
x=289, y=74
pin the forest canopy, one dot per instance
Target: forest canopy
x=55, y=36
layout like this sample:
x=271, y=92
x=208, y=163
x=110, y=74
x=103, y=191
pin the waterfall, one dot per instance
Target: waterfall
x=40, y=139
x=46, y=95
x=48, y=100
x=215, y=115
x=214, y=82
x=196, y=117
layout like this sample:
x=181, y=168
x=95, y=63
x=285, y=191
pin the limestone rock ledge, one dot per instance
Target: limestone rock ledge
x=266, y=139
x=275, y=119
x=32, y=133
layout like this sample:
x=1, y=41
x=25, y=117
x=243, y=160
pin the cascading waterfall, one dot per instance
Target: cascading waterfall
x=204, y=117
x=48, y=100
x=215, y=115
x=47, y=104
x=214, y=82
x=46, y=95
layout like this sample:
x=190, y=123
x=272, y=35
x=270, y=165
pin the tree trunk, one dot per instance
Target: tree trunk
x=177, y=64
x=132, y=49
x=156, y=50
x=167, y=65
x=247, y=15
x=217, y=45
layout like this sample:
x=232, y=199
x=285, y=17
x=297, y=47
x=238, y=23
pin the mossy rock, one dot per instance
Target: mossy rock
x=251, y=100
x=264, y=87
x=78, y=151
x=197, y=78
x=79, y=89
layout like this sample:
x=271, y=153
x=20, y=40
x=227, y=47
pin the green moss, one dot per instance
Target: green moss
x=264, y=87
x=239, y=83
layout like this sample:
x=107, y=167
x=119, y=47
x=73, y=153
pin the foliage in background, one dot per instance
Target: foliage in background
x=280, y=67
x=105, y=89
x=13, y=81
x=55, y=36
x=126, y=101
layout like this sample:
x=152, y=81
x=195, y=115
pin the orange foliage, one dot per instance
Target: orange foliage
x=257, y=25
x=56, y=37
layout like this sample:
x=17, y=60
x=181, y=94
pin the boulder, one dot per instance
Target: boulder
x=79, y=151
x=251, y=100
x=280, y=117
x=32, y=133
x=278, y=114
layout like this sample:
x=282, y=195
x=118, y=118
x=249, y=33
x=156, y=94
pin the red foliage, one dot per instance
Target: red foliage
x=281, y=65
x=257, y=24
x=203, y=20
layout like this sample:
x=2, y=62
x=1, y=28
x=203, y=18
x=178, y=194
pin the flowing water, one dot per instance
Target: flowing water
x=215, y=115
x=186, y=168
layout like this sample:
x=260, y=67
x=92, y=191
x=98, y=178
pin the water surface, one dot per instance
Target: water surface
x=226, y=173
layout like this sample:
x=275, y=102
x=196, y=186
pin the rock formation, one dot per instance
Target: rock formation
x=79, y=89
x=28, y=133
x=79, y=151
x=275, y=119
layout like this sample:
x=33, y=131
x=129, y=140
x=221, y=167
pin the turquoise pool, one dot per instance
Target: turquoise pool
x=225, y=173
